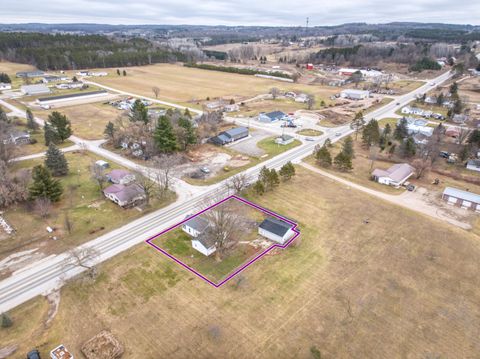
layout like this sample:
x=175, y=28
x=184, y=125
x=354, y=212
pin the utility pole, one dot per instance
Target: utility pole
x=306, y=25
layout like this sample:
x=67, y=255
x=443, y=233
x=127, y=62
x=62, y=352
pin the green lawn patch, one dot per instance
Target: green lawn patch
x=309, y=132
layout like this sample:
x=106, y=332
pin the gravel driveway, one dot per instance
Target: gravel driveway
x=249, y=146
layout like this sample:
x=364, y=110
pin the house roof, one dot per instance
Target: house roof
x=356, y=92
x=235, y=131
x=458, y=193
x=474, y=163
x=37, y=87
x=118, y=174
x=275, y=226
x=125, y=193
x=205, y=239
x=397, y=172
x=275, y=114
x=221, y=138
x=197, y=223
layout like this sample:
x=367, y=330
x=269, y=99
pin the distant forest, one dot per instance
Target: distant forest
x=65, y=52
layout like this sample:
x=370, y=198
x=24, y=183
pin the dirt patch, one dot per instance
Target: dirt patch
x=53, y=301
x=102, y=346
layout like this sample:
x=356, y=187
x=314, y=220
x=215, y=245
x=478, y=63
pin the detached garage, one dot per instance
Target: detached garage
x=460, y=198
x=276, y=230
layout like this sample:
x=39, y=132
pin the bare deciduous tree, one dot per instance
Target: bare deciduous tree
x=156, y=91
x=310, y=101
x=83, y=258
x=164, y=165
x=237, y=183
x=144, y=180
x=42, y=207
x=274, y=92
x=422, y=166
x=98, y=175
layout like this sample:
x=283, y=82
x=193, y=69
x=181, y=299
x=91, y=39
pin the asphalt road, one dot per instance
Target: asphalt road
x=41, y=277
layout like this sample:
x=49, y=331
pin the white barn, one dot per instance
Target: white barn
x=276, y=230
x=394, y=176
x=355, y=94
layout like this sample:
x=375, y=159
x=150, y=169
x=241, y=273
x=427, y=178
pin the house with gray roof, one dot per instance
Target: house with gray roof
x=276, y=230
x=473, y=165
x=394, y=176
x=229, y=136
x=38, y=89
x=271, y=116
x=120, y=176
x=30, y=74
x=460, y=198
x=202, y=241
x=125, y=196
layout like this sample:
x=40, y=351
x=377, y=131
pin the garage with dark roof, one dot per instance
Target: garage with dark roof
x=276, y=230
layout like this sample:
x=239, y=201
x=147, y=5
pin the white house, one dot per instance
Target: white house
x=276, y=230
x=4, y=86
x=354, y=94
x=119, y=176
x=202, y=241
x=301, y=98
x=473, y=165
x=125, y=195
x=394, y=176
x=231, y=107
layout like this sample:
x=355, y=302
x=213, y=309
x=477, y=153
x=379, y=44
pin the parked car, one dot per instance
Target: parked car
x=444, y=154
x=338, y=134
x=205, y=169
x=411, y=188
x=33, y=354
x=309, y=139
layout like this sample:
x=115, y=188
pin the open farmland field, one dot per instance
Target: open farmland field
x=189, y=86
x=402, y=286
x=88, y=120
x=11, y=68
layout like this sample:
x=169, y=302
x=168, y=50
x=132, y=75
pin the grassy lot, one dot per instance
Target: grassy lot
x=405, y=86
x=88, y=210
x=268, y=144
x=88, y=120
x=190, y=86
x=434, y=108
x=379, y=104
x=309, y=132
x=391, y=120
x=284, y=105
x=39, y=146
x=387, y=289
x=11, y=68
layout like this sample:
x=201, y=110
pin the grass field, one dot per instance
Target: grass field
x=12, y=68
x=88, y=120
x=402, y=286
x=268, y=145
x=189, y=86
x=309, y=132
x=390, y=120
x=405, y=86
x=88, y=210
x=381, y=103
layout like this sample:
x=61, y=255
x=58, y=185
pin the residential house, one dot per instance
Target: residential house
x=453, y=132
x=4, y=86
x=420, y=139
x=353, y=94
x=39, y=89
x=125, y=195
x=69, y=85
x=202, y=241
x=119, y=176
x=19, y=137
x=431, y=100
x=418, y=126
x=102, y=164
x=50, y=78
x=473, y=165
x=30, y=74
x=408, y=110
x=463, y=199
x=394, y=176
x=214, y=105
x=459, y=118
x=301, y=98
x=276, y=230
x=231, y=107
x=61, y=352
x=230, y=136
x=271, y=116
x=284, y=139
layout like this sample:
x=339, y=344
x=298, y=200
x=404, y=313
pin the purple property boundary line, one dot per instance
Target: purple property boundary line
x=244, y=266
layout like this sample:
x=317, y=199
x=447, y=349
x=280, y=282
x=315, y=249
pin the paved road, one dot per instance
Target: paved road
x=41, y=277
x=41, y=154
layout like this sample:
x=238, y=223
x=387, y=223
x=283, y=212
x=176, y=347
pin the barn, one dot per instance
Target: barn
x=276, y=230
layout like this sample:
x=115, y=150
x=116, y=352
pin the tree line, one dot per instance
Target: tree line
x=65, y=52
x=237, y=70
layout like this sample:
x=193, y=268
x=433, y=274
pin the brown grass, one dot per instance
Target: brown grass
x=402, y=286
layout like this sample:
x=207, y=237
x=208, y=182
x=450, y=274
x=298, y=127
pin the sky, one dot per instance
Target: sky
x=239, y=12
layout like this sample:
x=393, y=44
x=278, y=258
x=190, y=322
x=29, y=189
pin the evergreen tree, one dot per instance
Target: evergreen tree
x=124, y=72
x=44, y=185
x=139, y=112
x=371, y=133
x=357, y=123
x=6, y=322
x=189, y=134
x=61, y=125
x=109, y=130
x=31, y=124
x=3, y=116
x=187, y=113
x=164, y=136
x=464, y=153
x=118, y=72
x=323, y=157
x=5, y=78
x=408, y=148
x=343, y=162
x=55, y=161
x=440, y=99
x=50, y=135
x=347, y=147
x=273, y=179
x=401, y=130
x=259, y=188
x=474, y=137
x=454, y=89
x=287, y=171
x=387, y=130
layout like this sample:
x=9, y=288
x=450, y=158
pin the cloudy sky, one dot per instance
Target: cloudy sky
x=239, y=12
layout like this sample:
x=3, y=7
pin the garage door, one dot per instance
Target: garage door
x=466, y=204
x=452, y=200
